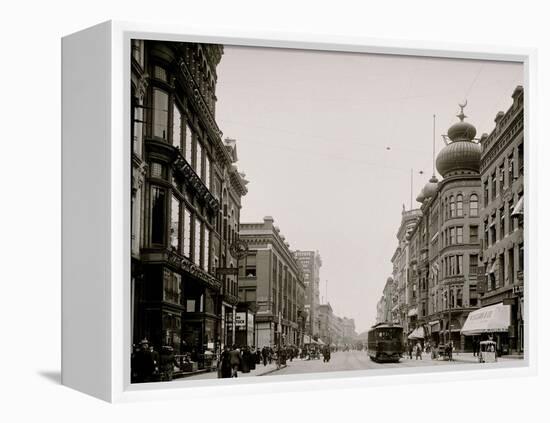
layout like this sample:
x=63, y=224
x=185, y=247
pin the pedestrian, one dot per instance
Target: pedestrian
x=265, y=354
x=418, y=350
x=143, y=365
x=410, y=348
x=245, y=360
x=225, y=363
x=235, y=360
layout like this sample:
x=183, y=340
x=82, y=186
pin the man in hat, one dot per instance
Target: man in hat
x=143, y=365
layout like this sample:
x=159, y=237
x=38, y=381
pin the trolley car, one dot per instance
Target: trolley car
x=385, y=342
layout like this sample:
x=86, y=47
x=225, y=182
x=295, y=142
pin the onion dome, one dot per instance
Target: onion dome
x=421, y=197
x=461, y=154
x=430, y=189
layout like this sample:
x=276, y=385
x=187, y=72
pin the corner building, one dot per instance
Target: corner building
x=502, y=220
x=271, y=278
x=185, y=201
x=446, y=253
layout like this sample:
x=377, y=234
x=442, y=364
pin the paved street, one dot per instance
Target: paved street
x=351, y=360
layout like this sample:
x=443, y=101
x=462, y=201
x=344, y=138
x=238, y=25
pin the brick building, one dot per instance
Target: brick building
x=502, y=219
x=271, y=278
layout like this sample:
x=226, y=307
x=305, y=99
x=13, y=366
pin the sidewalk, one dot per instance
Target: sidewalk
x=464, y=357
x=260, y=370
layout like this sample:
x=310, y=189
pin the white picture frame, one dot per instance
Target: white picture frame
x=95, y=228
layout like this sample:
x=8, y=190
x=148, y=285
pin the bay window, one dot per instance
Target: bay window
x=160, y=113
x=158, y=215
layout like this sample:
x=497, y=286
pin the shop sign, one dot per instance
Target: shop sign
x=240, y=321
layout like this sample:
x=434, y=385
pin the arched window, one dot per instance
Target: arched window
x=474, y=205
x=452, y=206
x=459, y=205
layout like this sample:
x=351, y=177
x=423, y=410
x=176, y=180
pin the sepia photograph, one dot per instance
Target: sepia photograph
x=302, y=211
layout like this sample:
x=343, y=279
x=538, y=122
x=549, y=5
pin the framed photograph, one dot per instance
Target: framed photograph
x=249, y=212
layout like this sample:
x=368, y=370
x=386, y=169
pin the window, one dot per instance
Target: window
x=137, y=127
x=206, y=261
x=493, y=229
x=207, y=171
x=459, y=204
x=493, y=185
x=459, y=238
x=453, y=236
x=453, y=206
x=510, y=218
x=510, y=169
x=486, y=193
x=158, y=215
x=502, y=222
x=474, y=205
x=176, y=127
x=160, y=73
x=501, y=178
x=486, y=226
x=175, y=223
x=160, y=113
x=171, y=287
x=157, y=170
x=197, y=242
x=186, y=232
x=198, y=160
x=188, y=152
x=511, y=276
x=459, y=265
x=473, y=264
x=520, y=261
x=474, y=234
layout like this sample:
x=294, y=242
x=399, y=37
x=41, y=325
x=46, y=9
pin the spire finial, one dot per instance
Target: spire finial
x=461, y=115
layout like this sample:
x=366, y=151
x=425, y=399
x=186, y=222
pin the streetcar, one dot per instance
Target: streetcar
x=385, y=342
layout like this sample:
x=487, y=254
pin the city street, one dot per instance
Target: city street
x=351, y=360
x=358, y=360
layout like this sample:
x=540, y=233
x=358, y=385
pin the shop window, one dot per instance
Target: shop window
x=160, y=113
x=158, y=215
x=171, y=287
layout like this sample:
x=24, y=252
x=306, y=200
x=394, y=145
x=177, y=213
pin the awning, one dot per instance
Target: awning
x=434, y=326
x=495, y=318
x=418, y=333
x=493, y=267
x=518, y=208
x=413, y=312
x=320, y=342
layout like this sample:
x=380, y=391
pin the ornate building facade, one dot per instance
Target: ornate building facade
x=186, y=199
x=501, y=219
x=271, y=278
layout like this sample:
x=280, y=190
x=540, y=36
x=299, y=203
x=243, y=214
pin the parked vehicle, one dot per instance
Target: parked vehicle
x=487, y=352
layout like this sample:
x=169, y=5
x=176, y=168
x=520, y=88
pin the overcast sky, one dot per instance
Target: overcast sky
x=312, y=132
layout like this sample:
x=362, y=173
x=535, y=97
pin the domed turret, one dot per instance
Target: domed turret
x=462, y=154
x=430, y=189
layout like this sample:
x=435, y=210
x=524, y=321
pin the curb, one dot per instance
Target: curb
x=272, y=371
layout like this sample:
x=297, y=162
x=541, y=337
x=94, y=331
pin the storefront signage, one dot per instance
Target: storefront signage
x=240, y=321
x=188, y=266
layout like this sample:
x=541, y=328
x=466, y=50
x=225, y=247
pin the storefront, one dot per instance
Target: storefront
x=491, y=322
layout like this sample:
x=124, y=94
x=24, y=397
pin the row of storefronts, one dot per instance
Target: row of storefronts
x=459, y=260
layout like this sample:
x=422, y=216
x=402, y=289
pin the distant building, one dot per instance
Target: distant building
x=326, y=326
x=271, y=278
x=501, y=216
x=310, y=263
